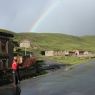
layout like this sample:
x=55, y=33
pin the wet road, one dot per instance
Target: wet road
x=77, y=81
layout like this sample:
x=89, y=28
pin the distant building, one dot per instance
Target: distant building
x=86, y=52
x=25, y=43
x=55, y=53
x=66, y=53
x=47, y=53
x=81, y=52
x=77, y=53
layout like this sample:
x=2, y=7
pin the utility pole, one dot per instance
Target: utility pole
x=25, y=51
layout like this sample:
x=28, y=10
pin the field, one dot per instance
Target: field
x=55, y=41
x=68, y=59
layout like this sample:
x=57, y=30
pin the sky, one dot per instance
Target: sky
x=74, y=17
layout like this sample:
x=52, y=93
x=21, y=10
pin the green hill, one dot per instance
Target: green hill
x=56, y=41
x=90, y=42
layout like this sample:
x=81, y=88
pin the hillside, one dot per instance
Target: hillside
x=56, y=41
x=90, y=41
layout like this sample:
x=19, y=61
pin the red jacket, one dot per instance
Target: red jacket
x=14, y=65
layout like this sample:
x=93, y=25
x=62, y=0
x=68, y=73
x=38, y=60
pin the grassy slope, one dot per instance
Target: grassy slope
x=56, y=41
x=51, y=41
x=90, y=41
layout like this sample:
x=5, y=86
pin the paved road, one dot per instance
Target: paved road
x=77, y=81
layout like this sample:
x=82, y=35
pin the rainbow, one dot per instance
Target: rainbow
x=43, y=16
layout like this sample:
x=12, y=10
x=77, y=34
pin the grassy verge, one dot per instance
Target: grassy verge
x=68, y=59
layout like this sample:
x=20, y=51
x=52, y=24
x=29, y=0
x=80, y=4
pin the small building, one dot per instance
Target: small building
x=81, y=52
x=66, y=53
x=6, y=50
x=59, y=53
x=86, y=52
x=72, y=53
x=25, y=44
x=55, y=53
x=49, y=53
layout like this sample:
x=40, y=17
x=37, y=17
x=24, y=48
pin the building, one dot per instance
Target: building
x=49, y=53
x=25, y=44
x=6, y=50
x=55, y=53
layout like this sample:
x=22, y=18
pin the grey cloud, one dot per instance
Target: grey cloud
x=75, y=17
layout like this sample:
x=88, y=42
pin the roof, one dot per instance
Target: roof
x=6, y=34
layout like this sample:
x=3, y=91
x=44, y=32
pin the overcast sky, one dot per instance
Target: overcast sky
x=75, y=17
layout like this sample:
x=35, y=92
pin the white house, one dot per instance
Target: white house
x=49, y=53
x=25, y=43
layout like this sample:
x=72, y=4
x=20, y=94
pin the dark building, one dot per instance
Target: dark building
x=6, y=50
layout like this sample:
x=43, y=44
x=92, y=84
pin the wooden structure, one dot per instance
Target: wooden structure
x=6, y=50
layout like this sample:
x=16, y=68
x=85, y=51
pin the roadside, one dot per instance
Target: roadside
x=77, y=81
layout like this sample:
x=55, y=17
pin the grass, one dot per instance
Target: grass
x=55, y=41
x=68, y=59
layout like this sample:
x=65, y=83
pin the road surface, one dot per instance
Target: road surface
x=80, y=80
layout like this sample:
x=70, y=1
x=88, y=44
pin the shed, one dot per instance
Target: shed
x=6, y=49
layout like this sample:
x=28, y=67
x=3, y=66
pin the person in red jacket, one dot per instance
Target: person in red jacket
x=15, y=71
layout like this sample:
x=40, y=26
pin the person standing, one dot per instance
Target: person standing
x=15, y=71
